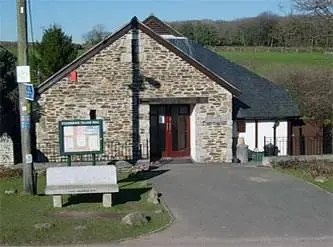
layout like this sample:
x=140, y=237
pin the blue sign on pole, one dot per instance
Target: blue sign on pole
x=29, y=92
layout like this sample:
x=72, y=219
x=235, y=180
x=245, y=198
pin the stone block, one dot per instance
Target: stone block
x=134, y=219
x=81, y=175
x=57, y=201
x=242, y=153
x=107, y=200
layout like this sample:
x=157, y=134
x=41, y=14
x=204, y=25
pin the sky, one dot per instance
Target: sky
x=77, y=17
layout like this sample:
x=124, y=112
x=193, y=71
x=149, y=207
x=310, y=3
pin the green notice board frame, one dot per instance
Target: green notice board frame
x=79, y=137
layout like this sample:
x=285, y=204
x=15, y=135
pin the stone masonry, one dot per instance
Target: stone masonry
x=104, y=85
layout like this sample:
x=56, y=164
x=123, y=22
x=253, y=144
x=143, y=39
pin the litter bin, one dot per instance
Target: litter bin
x=270, y=150
x=257, y=156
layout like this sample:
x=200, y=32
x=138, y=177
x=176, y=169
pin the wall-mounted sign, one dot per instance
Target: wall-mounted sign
x=81, y=137
x=161, y=119
x=23, y=74
x=215, y=119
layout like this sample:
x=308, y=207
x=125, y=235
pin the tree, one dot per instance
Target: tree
x=55, y=50
x=204, y=32
x=8, y=88
x=96, y=35
x=9, y=108
x=316, y=7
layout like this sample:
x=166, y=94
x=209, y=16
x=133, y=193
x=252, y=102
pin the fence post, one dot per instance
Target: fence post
x=69, y=160
x=302, y=145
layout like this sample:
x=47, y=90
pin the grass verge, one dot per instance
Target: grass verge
x=305, y=175
x=82, y=219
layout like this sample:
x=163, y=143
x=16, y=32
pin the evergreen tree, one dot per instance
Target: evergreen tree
x=55, y=50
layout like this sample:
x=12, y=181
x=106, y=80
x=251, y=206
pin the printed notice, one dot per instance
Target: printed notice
x=81, y=141
x=68, y=144
x=68, y=131
x=81, y=136
x=93, y=142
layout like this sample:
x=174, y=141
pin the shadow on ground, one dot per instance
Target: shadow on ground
x=143, y=175
x=122, y=197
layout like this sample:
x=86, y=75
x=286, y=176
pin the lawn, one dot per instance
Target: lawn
x=82, y=219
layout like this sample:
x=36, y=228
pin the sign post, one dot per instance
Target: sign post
x=79, y=137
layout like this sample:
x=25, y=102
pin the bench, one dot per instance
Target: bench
x=81, y=180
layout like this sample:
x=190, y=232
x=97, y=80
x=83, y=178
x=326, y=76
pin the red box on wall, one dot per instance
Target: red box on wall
x=73, y=76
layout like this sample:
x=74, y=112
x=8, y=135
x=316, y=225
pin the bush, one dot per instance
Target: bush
x=6, y=172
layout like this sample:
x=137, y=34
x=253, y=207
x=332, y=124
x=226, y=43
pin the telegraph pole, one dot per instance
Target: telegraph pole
x=23, y=76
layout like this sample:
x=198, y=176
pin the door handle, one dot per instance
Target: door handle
x=168, y=127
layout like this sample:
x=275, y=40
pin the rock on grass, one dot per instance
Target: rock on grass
x=43, y=226
x=134, y=219
x=153, y=197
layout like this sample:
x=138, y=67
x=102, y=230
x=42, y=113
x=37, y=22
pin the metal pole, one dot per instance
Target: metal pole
x=24, y=105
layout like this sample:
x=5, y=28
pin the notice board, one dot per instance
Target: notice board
x=81, y=137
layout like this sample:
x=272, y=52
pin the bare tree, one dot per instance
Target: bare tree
x=316, y=7
x=96, y=35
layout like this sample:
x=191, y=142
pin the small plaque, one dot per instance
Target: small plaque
x=28, y=158
x=161, y=119
x=215, y=119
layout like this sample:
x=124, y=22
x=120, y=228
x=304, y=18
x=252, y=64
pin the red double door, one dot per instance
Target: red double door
x=170, y=130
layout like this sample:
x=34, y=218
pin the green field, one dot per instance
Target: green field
x=318, y=59
x=265, y=62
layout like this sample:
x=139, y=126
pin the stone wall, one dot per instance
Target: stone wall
x=104, y=85
x=271, y=160
x=6, y=150
x=177, y=78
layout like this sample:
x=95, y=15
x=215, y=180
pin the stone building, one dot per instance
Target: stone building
x=151, y=85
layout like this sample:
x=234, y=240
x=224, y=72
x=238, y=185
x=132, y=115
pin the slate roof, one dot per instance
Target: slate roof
x=260, y=98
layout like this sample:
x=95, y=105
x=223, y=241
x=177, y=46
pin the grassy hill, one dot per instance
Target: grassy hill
x=307, y=77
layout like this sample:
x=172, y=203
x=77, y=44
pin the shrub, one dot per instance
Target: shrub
x=314, y=168
x=6, y=172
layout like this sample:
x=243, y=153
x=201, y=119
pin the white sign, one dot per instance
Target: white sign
x=23, y=74
x=161, y=119
x=28, y=158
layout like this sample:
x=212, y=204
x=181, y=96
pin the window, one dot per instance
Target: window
x=92, y=114
x=241, y=126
